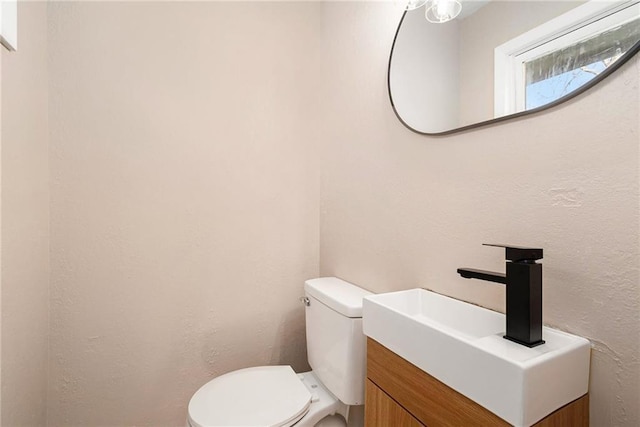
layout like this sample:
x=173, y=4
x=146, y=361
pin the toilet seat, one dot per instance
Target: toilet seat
x=259, y=396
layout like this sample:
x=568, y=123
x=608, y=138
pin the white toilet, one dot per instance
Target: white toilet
x=276, y=395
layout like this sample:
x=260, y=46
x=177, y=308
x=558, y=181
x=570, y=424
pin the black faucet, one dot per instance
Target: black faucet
x=524, y=292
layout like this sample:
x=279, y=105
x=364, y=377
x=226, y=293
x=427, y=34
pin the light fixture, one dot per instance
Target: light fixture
x=415, y=4
x=439, y=11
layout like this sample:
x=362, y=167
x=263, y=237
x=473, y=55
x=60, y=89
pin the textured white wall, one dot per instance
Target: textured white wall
x=184, y=200
x=25, y=222
x=400, y=210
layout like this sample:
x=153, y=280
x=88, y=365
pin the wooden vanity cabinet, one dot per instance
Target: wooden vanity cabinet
x=400, y=394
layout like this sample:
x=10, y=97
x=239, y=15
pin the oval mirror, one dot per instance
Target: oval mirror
x=499, y=59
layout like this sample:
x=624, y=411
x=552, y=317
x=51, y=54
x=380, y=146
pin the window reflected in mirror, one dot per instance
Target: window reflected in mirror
x=564, y=70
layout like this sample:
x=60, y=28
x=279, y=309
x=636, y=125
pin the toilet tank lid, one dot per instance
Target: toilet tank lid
x=341, y=296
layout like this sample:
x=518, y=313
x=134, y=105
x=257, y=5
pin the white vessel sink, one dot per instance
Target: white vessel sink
x=461, y=345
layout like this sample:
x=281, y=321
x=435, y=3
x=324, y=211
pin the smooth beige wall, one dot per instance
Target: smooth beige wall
x=400, y=210
x=425, y=66
x=184, y=200
x=25, y=222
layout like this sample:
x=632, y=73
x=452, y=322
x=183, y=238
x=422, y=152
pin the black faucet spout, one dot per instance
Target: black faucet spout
x=490, y=276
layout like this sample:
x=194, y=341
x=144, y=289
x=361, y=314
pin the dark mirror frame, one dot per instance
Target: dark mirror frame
x=591, y=83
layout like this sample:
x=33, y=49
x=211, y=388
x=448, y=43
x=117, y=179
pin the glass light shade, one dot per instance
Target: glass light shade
x=415, y=4
x=440, y=11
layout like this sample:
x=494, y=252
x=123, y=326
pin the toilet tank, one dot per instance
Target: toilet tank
x=336, y=345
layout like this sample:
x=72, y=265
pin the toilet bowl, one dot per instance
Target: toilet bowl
x=277, y=396
x=266, y=395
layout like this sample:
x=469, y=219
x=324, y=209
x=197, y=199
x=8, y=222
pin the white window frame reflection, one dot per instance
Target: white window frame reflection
x=578, y=24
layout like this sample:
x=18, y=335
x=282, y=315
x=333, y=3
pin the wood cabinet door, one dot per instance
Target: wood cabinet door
x=383, y=411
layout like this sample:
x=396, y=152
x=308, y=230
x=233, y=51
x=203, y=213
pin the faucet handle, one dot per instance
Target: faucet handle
x=518, y=253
